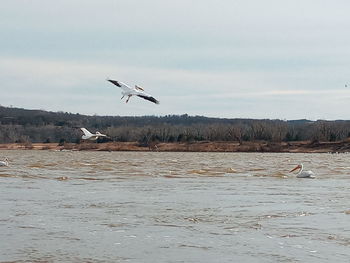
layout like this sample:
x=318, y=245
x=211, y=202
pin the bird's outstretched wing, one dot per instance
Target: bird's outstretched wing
x=121, y=85
x=86, y=132
x=150, y=98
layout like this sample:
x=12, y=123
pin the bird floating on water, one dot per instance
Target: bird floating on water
x=91, y=136
x=137, y=91
x=301, y=173
x=5, y=162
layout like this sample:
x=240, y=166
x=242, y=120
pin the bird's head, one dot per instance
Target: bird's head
x=139, y=88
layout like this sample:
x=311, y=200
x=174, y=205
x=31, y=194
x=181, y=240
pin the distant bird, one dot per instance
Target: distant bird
x=137, y=91
x=5, y=162
x=91, y=136
x=301, y=173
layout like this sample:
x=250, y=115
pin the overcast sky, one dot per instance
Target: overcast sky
x=285, y=59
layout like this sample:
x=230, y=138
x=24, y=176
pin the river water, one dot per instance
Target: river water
x=173, y=207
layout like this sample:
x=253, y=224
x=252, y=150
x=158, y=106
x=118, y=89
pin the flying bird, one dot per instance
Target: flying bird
x=301, y=173
x=91, y=136
x=5, y=162
x=137, y=91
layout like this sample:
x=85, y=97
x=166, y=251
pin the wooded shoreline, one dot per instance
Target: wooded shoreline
x=31, y=128
x=203, y=146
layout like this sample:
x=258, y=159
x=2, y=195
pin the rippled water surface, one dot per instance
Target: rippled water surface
x=173, y=207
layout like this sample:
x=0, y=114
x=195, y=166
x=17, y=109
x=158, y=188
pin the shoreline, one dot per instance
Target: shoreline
x=201, y=146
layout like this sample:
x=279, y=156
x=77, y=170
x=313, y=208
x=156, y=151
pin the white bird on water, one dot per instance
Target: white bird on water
x=137, y=91
x=303, y=174
x=91, y=136
x=5, y=162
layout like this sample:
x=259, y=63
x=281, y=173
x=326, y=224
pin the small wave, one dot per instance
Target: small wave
x=107, y=169
x=193, y=219
x=276, y=174
x=7, y=175
x=173, y=176
x=36, y=165
x=62, y=178
x=50, y=164
x=170, y=225
x=34, y=176
x=197, y=171
x=194, y=246
x=231, y=171
x=113, y=225
x=78, y=164
x=207, y=172
x=286, y=215
x=29, y=227
x=66, y=206
x=289, y=236
x=273, y=216
x=91, y=178
x=257, y=169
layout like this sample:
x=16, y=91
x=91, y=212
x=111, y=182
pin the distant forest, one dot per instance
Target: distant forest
x=33, y=126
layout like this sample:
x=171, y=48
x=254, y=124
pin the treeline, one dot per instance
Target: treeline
x=22, y=126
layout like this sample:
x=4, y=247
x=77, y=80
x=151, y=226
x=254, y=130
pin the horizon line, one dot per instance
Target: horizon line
x=183, y=114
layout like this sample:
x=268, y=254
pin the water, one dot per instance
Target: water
x=173, y=207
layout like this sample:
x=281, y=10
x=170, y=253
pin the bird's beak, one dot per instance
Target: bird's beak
x=298, y=167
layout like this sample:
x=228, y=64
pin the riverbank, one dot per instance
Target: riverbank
x=257, y=146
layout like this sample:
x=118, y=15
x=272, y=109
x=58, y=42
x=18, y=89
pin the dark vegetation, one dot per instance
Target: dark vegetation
x=33, y=126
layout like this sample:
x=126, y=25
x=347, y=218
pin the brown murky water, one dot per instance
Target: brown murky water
x=173, y=207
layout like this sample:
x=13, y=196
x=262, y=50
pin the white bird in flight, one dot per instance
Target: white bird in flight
x=91, y=136
x=5, y=162
x=137, y=91
x=303, y=174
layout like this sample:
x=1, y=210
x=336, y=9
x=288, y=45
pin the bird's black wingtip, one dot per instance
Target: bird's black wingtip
x=114, y=82
x=149, y=98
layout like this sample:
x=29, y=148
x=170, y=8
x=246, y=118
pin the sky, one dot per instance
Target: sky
x=275, y=59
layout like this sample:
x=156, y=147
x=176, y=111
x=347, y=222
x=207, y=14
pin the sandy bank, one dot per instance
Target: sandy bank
x=259, y=146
